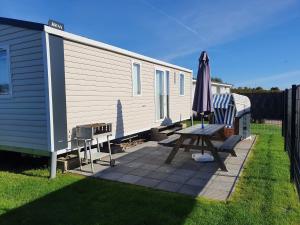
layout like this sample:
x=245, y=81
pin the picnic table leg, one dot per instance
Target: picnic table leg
x=215, y=154
x=175, y=150
x=193, y=140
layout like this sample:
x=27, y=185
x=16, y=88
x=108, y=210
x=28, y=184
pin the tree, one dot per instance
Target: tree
x=274, y=89
x=241, y=90
x=216, y=79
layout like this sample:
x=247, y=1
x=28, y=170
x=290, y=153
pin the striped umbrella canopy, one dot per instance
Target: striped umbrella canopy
x=203, y=96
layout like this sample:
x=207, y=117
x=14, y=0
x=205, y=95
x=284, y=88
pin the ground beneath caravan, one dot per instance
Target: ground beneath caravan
x=263, y=195
x=144, y=165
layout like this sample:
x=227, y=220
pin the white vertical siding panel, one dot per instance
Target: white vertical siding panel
x=23, y=116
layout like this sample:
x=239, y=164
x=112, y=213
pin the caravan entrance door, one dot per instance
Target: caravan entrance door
x=162, y=94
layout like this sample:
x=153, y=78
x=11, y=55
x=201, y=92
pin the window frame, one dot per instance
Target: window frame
x=9, y=94
x=181, y=74
x=164, y=70
x=134, y=62
x=168, y=113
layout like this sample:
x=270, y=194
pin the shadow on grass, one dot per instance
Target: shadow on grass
x=91, y=201
x=15, y=162
x=87, y=200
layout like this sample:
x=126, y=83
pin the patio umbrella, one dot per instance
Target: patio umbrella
x=202, y=103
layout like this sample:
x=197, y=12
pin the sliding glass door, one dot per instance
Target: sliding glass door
x=162, y=91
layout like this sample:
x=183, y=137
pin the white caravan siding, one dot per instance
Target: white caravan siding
x=216, y=88
x=99, y=89
x=23, y=115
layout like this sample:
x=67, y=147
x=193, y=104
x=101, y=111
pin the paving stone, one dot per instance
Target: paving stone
x=134, y=155
x=156, y=153
x=149, y=166
x=210, y=167
x=182, y=155
x=144, y=151
x=215, y=194
x=184, y=172
x=110, y=175
x=197, y=182
x=177, y=178
x=131, y=179
x=204, y=174
x=140, y=153
x=156, y=162
x=178, y=160
x=233, y=166
x=139, y=172
x=125, y=159
x=243, y=146
x=134, y=164
x=150, y=157
x=222, y=186
x=190, y=190
x=122, y=168
x=241, y=153
x=145, y=160
x=233, y=161
x=226, y=179
x=148, y=182
x=177, y=165
x=228, y=173
x=192, y=166
x=157, y=175
x=166, y=169
x=169, y=186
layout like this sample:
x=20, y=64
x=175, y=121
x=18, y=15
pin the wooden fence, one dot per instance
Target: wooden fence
x=291, y=131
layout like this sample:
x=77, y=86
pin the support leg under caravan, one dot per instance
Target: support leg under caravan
x=53, y=165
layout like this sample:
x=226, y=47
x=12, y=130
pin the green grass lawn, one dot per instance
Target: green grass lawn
x=264, y=195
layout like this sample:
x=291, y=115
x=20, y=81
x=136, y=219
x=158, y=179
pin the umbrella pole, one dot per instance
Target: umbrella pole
x=202, y=142
x=202, y=120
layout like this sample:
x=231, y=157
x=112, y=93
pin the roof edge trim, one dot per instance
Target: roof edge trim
x=98, y=44
x=22, y=23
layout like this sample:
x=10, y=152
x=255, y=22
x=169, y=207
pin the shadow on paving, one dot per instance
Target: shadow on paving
x=93, y=201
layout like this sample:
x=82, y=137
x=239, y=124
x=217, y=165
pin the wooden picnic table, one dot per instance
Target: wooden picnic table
x=194, y=134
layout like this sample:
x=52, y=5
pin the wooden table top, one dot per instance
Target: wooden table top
x=208, y=130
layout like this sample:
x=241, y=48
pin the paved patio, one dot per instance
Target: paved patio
x=144, y=165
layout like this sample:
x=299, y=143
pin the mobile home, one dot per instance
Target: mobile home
x=216, y=88
x=51, y=81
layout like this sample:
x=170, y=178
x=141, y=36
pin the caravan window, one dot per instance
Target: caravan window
x=136, y=79
x=5, y=81
x=181, y=84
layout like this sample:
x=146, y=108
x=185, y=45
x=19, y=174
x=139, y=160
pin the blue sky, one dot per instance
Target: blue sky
x=250, y=43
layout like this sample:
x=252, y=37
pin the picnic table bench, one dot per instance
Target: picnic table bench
x=194, y=134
